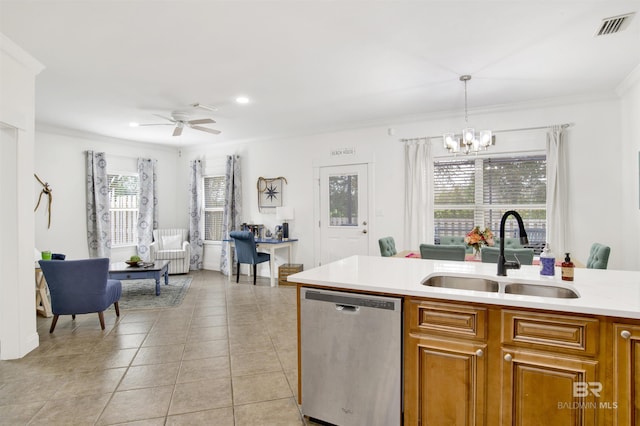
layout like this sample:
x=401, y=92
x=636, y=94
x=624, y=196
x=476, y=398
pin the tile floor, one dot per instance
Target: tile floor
x=226, y=356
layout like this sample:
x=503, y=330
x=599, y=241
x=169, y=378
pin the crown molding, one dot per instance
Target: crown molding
x=20, y=55
x=629, y=81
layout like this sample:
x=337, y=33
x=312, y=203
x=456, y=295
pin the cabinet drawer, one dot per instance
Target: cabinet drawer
x=550, y=331
x=447, y=319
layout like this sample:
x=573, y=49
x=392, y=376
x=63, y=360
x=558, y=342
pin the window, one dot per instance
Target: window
x=123, y=208
x=478, y=192
x=214, y=196
x=343, y=200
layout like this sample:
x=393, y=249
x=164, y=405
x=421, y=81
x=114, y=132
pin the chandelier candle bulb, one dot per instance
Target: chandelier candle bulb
x=547, y=262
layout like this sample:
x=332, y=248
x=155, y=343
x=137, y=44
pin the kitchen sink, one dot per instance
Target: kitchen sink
x=463, y=283
x=540, y=290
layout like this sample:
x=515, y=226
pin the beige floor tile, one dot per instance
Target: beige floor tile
x=254, y=363
x=146, y=376
x=260, y=387
x=204, y=368
x=292, y=379
x=217, y=417
x=79, y=410
x=139, y=316
x=20, y=414
x=281, y=412
x=30, y=389
x=111, y=358
x=205, y=311
x=159, y=421
x=159, y=354
x=120, y=341
x=165, y=339
x=89, y=383
x=212, y=348
x=132, y=327
x=288, y=358
x=203, y=334
x=209, y=321
x=201, y=395
x=248, y=345
x=138, y=404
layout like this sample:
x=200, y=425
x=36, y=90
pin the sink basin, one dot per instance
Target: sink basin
x=541, y=290
x=463, y=283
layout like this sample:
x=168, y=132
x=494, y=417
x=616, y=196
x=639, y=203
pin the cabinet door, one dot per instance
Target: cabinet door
x=445, y=382
x=626, y=374
x=546, y=388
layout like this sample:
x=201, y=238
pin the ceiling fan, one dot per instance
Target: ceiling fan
x=181, y=120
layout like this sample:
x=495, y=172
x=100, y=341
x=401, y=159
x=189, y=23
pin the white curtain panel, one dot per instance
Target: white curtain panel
x=196, y=224
x=418, y=213
x=98, y=218
x=556, y=191
x=232, y=213
x=148, y=211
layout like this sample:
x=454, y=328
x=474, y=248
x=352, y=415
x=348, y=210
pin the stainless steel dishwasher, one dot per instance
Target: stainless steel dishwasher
x=351, y=355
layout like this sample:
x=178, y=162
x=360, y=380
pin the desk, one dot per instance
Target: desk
x=273, y=245
x=41, y=295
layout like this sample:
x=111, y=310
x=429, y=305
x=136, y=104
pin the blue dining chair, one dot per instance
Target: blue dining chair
x=387, y=247
x=598, y=256
x=80, y=287
x=443, y=252
x=246, y=252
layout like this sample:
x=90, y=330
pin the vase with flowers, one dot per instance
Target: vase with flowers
x=476, y=239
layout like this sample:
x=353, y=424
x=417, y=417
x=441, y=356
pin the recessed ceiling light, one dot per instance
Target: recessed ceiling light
x=134, y=124
x=242, y=100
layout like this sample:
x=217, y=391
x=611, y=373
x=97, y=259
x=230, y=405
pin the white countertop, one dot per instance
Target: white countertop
x=602, y=292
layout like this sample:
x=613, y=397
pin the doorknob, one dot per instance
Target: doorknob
x=364, y=223
x=364, y=231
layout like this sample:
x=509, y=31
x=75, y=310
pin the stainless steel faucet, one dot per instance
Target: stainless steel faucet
x=503, y=265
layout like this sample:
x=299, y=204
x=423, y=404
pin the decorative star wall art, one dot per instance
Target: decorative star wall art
x=270, y=192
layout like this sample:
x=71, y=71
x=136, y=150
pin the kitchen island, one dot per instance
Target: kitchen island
x=494, y=357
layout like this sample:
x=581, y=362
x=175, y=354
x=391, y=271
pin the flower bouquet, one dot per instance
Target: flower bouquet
x=476, y=239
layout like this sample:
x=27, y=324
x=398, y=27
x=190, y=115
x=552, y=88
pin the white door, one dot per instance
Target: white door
x=344, y=212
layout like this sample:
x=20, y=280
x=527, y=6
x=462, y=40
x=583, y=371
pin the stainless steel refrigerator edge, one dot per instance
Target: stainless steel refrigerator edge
x=351, y=356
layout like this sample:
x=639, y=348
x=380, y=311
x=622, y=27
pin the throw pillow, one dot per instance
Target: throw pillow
x=172, y=242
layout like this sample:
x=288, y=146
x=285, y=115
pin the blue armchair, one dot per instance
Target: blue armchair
x=80, y=287
x=246, y=252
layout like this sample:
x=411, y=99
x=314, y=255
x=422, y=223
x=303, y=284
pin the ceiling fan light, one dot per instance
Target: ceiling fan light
x=242, y=100
x=134, y=124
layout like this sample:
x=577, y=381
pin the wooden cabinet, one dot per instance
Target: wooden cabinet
x=445, y=364
x=468, y=364
x=626, y=374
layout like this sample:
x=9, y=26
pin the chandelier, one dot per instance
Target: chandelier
x=469, y=140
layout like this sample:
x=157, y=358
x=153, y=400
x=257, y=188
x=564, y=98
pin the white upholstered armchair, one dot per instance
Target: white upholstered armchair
x=172, y=244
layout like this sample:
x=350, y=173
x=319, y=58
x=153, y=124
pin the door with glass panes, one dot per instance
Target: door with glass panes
x=343, y=212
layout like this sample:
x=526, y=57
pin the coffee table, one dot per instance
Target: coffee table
x=122, y=271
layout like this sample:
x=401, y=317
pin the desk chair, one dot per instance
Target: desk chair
x=80, y=287
x=443, y=252
x=598, y=256
x=246, y=252
x=387, y=247
x=490, y=255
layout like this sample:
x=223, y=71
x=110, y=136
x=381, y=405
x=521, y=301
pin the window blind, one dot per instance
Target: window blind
x=214, y=198
x=123, y=208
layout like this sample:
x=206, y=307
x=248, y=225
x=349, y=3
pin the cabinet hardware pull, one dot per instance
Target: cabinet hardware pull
x=508, y=357
x=625, y=334
x=479, y=353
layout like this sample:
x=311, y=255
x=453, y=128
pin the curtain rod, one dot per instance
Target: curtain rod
x=425, y=138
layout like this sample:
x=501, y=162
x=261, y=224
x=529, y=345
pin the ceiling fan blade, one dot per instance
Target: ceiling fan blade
x=166, y=118
x=177, y=131
x=204, y=129
x=202, y=121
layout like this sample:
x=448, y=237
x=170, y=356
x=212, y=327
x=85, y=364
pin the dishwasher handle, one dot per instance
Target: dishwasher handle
x=347, y=308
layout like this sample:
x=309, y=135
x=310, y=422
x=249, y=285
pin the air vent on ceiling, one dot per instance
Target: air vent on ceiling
x=615, y=24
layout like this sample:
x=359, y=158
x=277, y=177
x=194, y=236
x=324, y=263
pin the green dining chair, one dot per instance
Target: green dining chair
x=387, y=247
x=442, y=252
x=598, y=256
x=490, y=255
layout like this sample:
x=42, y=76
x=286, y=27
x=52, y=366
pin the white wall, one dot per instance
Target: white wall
x=599, y=156
x=60, y=161
x=18, y=70
x=629, y=90
x=595, y=176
